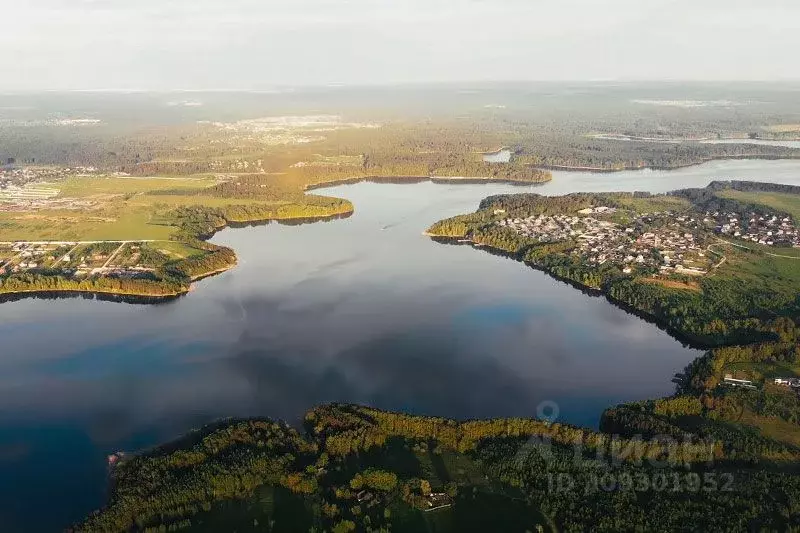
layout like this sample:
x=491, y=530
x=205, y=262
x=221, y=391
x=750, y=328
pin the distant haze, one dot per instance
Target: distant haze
x=260, y=44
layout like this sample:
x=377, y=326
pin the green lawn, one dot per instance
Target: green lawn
x=787, y=203
x=90, y=186
x=778, y=273
x=107, y=224
x=655, y=204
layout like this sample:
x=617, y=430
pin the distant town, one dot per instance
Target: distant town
x=31, y=188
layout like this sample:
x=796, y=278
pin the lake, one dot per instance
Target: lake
x=363, y=309
x=500, y=156
x=760, y=142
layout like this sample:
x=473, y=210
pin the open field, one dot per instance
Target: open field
x=655, y=204
x=760, y=371
x=111, y=223
x=122, y=209
x=765, y=271
x=674, y=284
x=786, y=203
x=79, y=187
x=772, y=427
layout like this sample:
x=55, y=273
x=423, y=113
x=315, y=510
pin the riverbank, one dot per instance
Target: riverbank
x=677, y=140
x=673, y=284
x=588, y=290
x=151, y=294
x=603, y=170
x=422, y=179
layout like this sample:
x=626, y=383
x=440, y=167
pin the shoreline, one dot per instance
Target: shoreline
x=679, y=140
x=147, y=298
x=103, y=295
x=593, y=292
x=602, y=170
x=411, y=180
x=9, y=295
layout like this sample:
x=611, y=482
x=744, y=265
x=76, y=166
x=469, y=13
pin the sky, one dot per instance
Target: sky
x=262, y=44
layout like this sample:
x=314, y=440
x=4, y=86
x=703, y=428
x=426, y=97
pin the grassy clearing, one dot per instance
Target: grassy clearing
x=772, y=427
x=177, y=250
x=169, y=200
x=655, y=204
x=758, y=269
x=765, y=371
x=787, y=203
x=674, y=284
x=85, y=186
x=124, y=223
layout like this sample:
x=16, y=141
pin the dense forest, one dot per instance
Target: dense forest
x=362, y=469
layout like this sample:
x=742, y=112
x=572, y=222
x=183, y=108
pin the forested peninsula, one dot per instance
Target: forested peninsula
x=675, y=258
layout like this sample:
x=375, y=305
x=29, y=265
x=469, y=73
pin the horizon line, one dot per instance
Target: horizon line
x=282, y=89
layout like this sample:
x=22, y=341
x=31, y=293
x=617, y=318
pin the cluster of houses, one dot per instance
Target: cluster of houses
x=788, y=382
x=731, y=381
x=30, y=188
x=438, y=500
x=433, y=501
x=544, y=228
x=661, y=241
x=678, y=250
x=20, y=257
x=19, y=176
x=769, y=230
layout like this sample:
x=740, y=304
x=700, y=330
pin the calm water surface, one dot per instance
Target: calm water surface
x=501, y=156
x=359, y=310
x=761, y=142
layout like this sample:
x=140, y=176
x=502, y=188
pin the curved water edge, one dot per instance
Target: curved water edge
x=591, y=292
x=135, y=298
x=503, y=155
x=562, y=173
x=132, y=299
x=603, y=170
x=360, y=310
x=785, y=143
x=400, y=180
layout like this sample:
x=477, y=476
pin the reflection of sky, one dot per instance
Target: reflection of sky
x=363, y=310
